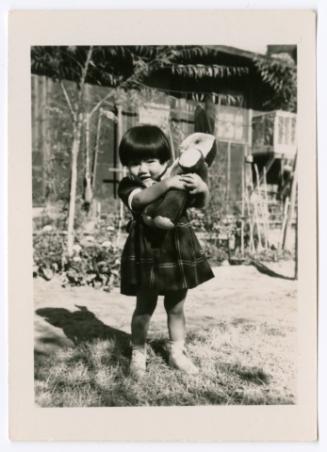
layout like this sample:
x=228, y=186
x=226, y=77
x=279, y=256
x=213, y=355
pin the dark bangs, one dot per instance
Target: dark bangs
x=143, y=142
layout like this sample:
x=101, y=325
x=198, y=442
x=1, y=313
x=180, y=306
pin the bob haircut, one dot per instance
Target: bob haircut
x=142, y=142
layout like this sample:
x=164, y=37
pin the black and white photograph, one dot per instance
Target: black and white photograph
x=165, y=199
x=164, y=225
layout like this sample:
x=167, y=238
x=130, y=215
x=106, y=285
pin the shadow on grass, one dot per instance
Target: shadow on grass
x=159, y=347
x=267, y=271
x=79, y=373
x=254, y=375
x=83, y=326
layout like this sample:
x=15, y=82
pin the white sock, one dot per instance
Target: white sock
x=141, y=348
x=176, y=345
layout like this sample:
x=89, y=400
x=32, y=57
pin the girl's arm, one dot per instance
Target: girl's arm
x=146, y=196
x=198, y=188
x=202, y=199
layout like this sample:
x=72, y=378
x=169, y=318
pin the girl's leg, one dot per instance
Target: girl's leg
x=146, y=302
x=174, y=305
x=145, y=305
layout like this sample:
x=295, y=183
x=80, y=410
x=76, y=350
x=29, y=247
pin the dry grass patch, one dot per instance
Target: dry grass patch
x=240, y=363
x=242, y=335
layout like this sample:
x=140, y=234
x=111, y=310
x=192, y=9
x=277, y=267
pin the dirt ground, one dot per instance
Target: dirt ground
x=237, y=294
x=241, y=332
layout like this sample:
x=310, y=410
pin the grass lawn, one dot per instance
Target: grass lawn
x=241, y=333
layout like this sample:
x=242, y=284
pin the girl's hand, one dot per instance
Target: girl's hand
x=176, y=182
x=194, y=184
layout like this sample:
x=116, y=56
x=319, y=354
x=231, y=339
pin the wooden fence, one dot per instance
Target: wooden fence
x=231, y=176
x=52, y=134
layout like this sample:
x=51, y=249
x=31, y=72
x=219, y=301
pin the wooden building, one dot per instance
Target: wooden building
x=234, y=88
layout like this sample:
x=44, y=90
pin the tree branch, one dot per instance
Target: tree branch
x=68, y=101
x=132, y=78
x=98, y=105
x=84, y=74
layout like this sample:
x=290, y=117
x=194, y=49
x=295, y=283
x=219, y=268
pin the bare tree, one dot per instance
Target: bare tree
x=128, y=66
x=96, y=65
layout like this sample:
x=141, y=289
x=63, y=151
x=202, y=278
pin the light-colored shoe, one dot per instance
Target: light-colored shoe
x=179, y=360
x=138, y=362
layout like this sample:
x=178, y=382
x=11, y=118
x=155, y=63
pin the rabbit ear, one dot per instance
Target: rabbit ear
x=200, y=141
x=190, y=159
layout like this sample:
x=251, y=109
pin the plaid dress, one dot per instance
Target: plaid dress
x=157, y=259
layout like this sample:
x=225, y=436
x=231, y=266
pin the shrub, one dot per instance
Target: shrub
x=96, y=264
x=204, y=221
x=216, y=253
x=48, y=254
x=95, y=260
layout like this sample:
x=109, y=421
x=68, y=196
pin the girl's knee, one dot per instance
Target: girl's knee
x=146, y=303
x=174, y=302
x=176, y=310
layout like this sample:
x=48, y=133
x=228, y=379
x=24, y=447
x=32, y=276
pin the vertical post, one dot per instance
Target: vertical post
x=38, y=156
x=242, y=210
x=73, y=181
x=119, y=129
x=250, y=117
x=266, y=207
x=96, y=151
x=88, y=192
x=120, y=169
x=291, y=209
x=228, y=173
x=248, y=206
x=171, y=141
x=296, y=238
x=88, y=188
x=284, y=224
x=44, y=137
x=276, y=132
x=256, y=210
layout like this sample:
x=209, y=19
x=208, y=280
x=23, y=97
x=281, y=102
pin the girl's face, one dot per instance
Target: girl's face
x=150, y=168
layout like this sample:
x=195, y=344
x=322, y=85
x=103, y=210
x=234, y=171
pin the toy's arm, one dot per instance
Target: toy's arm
x=199, y=200
x=198, y=188
x=165, y=212
x=144, y=197
x=147, y=195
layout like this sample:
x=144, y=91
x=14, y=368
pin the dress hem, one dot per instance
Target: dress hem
x=132, y=293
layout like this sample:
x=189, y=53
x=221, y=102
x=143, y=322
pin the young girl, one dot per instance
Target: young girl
x=157, y=262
